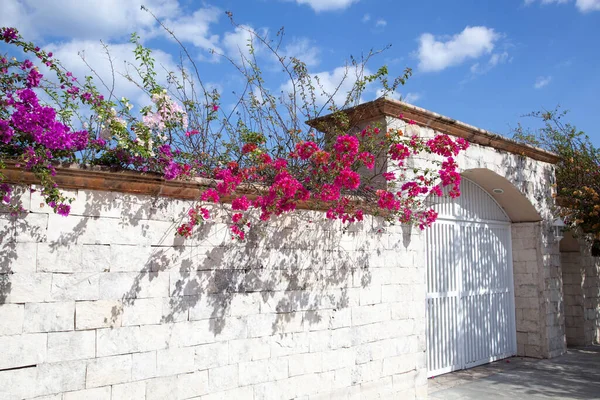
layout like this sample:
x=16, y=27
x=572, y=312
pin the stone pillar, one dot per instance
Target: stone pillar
x=573, y=295
x=590, y=288
x=538, y=291
x=552, y=287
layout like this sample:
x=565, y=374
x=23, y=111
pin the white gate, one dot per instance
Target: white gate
x=470, y=296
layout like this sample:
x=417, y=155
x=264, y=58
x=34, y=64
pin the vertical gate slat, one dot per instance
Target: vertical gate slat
x=470, y=299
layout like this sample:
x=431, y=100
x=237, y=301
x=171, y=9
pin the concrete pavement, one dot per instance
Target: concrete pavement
x=575, y=375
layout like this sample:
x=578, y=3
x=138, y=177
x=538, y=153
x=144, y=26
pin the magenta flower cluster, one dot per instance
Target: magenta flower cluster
x=38, y=135
x=332, y=178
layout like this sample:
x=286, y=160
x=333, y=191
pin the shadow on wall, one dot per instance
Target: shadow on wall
x=17, y=233
x=288, y=265
x=283, y=267
x=8, y=254
x=581, y=286
x=477, y=264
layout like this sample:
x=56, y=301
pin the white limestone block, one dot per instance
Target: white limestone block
x=49, y=317
x=67, y=346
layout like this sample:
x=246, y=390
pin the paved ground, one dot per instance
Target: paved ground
x=575, y=375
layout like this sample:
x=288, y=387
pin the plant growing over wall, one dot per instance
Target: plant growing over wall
x=260, y=156
x=578, y=171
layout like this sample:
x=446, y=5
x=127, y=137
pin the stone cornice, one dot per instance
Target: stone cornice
x=78, y=177
x=97, y=178
x=393, y=108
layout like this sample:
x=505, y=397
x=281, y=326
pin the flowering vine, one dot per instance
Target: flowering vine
x=348, y=175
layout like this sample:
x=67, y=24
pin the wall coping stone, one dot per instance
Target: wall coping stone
x=81, y=177
x=393, y=108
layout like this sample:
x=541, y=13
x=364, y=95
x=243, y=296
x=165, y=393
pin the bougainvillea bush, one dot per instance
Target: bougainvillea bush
x=577, y=172
x=261, y=157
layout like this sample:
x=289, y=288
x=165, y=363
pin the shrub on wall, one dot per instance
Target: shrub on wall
x=261, y=156
x=577, y=173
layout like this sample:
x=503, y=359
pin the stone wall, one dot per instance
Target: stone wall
x=529, y=310
x=572, y=274
x=108, y=304
x=527, y=199
x=582, y=294
x=591, y=296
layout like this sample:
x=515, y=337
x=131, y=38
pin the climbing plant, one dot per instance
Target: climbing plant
x=577, y=172
x=260, y=156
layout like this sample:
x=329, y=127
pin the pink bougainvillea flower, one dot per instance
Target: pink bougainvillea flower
x=241, y=203
x=389, y=176
x=236, y=218
x=210, y=195
x=348, y=179
x=249, y=148
x=305, y=150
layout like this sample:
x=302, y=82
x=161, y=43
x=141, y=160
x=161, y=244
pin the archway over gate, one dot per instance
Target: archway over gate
x=471, y=293
x=515, y=204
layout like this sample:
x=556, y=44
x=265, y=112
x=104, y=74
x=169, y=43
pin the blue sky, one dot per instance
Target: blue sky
x=483, y=62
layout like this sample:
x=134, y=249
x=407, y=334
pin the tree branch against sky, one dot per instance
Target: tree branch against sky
x=488, y=53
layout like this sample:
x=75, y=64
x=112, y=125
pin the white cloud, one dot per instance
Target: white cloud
x=303, y=50
x=109, y=20
x=472, y=42
x=327, y=5
x=410, y=97
x=498, y=58
x=95, y=56
x=588, y=5
x=393, y=95
x=257, y=94
x=544, y=2
x=194, y=28
x=84, y=19
x=366, y=18
x=582, y=5
x=381, y=23
x=237, y=43
x=542, y=81
x=331, y=84
x=495, y=59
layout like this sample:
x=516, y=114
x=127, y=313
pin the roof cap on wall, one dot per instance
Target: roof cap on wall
x=393, y=108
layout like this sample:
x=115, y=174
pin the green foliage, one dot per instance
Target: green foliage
x=578, y=171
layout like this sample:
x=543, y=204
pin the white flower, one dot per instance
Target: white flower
x=105, y=133
x=121, y=122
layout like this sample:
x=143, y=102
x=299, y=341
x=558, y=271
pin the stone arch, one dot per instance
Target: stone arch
x=539, y=309
x=528, y=242
x=516, y=205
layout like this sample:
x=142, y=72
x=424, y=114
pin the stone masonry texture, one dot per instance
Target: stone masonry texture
x=108, y=303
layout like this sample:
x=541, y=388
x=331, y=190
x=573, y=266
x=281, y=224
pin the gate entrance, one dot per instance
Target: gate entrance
x=470, y=295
